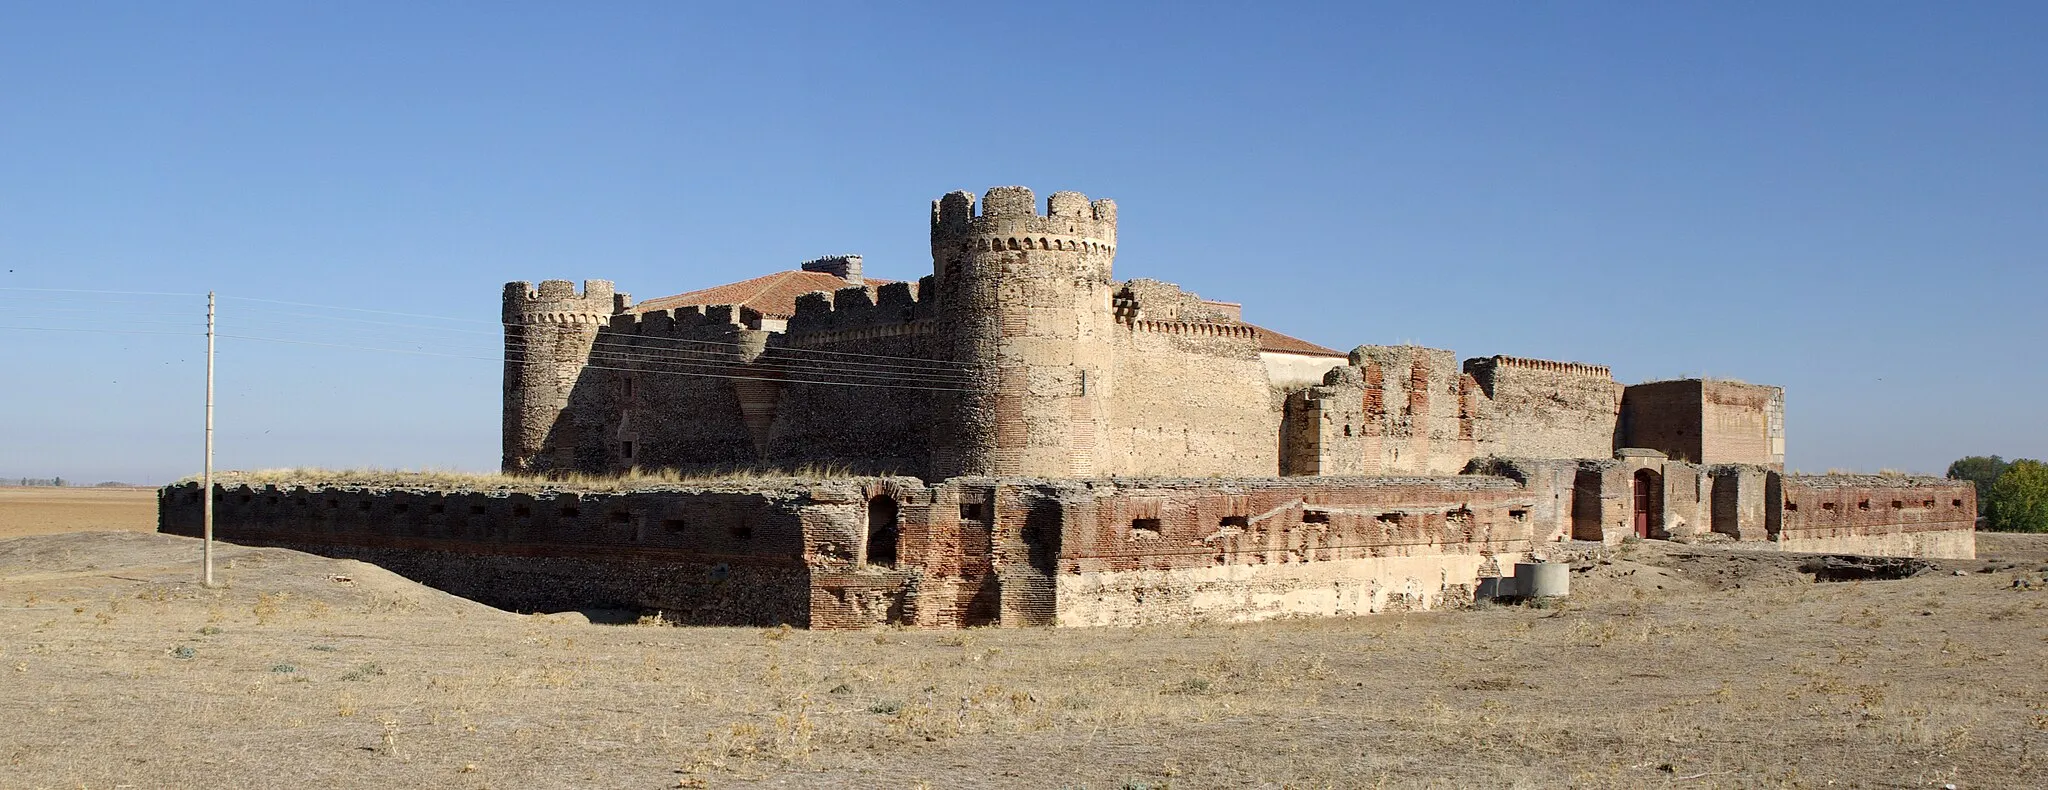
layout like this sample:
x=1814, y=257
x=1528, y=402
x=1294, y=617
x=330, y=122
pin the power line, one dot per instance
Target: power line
x=600, y=367
x=629, y=353
x=355, y=309
x=609, y=351
x=625, y=346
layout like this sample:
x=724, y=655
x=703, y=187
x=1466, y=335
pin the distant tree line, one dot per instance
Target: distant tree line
x=2012, y=496
x=53, y=482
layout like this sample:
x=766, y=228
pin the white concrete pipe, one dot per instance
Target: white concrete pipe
x=1542, y=579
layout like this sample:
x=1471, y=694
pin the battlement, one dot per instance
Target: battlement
x=694, y=321
x=863, y=306
x=1191, y=329
x=558, y=302
x=1484, y=367
x=1009, y=219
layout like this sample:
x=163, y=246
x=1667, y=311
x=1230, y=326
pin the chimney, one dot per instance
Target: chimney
x=844, y=267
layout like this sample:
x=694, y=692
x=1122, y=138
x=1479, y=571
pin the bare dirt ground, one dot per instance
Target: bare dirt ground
x=48, y=511
x=1671, y=666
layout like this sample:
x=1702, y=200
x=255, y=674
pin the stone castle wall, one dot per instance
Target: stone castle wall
x=1021, y=356
x=1707, y=421
x=1189, y=399
x=1879, y=515
x=970, y=551
x=1535, y=408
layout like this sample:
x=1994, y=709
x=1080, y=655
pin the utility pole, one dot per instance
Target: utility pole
x=206, y=540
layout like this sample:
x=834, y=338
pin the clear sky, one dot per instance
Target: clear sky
x=1846, y=199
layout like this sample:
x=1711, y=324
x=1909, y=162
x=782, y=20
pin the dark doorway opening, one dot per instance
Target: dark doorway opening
x=1586, y=505
x=1648, y=491
x=882, y=531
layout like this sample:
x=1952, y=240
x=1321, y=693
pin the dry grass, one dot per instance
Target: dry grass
x=449, y=479
x=120, y=671
x=47, y=511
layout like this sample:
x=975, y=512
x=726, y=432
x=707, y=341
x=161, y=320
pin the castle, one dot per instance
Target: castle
x=1024, y=440
x=1021, y=355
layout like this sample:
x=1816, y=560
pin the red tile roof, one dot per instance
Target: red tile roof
x=1277, y=343
x=772, y=295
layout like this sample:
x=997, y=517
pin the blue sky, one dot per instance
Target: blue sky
x=1846, y=199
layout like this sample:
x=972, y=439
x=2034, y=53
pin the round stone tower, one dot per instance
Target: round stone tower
x=1024, y=307
x=548, y=336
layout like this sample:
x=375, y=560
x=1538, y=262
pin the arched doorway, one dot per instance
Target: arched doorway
x=881, y=548
x=1649, y=489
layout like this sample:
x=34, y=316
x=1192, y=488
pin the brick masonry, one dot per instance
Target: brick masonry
x=969, y=551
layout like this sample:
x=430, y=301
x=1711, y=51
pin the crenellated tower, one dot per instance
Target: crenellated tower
x=548, y=336
x=1024, y=306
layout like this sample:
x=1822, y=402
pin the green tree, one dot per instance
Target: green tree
x=2019, y=498
x=1981, y=470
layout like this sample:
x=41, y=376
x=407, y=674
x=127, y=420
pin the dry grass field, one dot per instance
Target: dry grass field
x=1669, y=667
x=48, y=511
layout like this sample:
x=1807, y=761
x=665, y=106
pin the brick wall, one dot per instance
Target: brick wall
x=1742, y=424
x=1871, y=514
x=1663, y=416
x=1536, y=408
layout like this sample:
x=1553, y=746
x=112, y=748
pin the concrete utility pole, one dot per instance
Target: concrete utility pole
x=206, y=541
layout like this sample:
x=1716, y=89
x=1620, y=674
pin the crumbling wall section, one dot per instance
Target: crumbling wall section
x=1879, y=515
x=1742, y=423
x=1138, y=552
x=1325, y=431
x=1740, y=500
x=738, y=555
x=1424, y=406
x=1536, y=408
